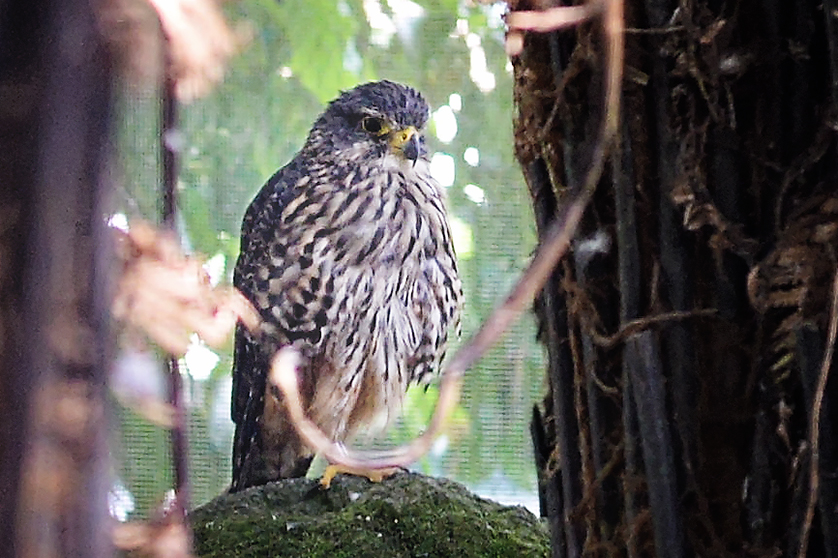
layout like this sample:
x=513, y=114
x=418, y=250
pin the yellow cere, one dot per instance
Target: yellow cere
x=399, y=138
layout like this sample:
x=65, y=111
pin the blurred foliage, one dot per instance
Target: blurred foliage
x=300, y=55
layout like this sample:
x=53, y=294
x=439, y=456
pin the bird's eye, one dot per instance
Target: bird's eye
x=374, y=125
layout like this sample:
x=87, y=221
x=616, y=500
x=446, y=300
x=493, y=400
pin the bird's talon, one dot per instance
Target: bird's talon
x=374, y=475
x=329, y=474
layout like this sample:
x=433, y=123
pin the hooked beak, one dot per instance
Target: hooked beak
x=408, y=142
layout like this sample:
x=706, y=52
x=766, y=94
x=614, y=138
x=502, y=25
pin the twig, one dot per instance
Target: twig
x=198, y=44
x=634, y=327
x=179, y=438
x=544, y=21
x=555, y=244
x=552, y=19
x=814, y=422
x=558, y=236
x=283, y=375
x=655, y=30
x=169, y=149
x=168, y=296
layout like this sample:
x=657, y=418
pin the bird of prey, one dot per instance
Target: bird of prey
x=347, y=255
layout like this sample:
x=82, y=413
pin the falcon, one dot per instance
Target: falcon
x=346, y=253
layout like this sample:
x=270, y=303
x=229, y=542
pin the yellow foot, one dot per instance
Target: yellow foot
x=375, y=475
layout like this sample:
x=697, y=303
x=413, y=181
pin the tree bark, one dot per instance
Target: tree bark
x=686, y=335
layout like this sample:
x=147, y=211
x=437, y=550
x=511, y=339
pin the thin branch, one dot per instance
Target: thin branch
x=283, y=375
x=558, y=236
x=669, y=29
x=555, y=244
x=168, y=296
x=552, y=19
x=815, y=420
x=169, y=149
x=638, y=325
x=198, y=42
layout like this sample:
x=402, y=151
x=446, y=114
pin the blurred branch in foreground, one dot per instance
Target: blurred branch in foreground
x=56, y=99
x=168, y=296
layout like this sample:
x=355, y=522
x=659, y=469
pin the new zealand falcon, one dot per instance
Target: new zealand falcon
x=346, y=253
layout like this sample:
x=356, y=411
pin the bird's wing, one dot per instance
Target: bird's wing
x=249, y=361
x=248, y=399
x=442, y=307
x=279, y=271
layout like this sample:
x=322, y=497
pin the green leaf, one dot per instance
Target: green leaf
x=320, y=33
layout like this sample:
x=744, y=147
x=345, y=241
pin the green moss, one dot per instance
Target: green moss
x=407, y=515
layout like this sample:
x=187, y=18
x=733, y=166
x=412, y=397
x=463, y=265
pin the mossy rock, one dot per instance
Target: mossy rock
x=407, y=515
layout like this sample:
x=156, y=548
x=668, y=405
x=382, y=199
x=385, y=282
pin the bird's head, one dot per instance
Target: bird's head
x=374, y=120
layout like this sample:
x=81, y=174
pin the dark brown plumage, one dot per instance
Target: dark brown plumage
x=347, y=255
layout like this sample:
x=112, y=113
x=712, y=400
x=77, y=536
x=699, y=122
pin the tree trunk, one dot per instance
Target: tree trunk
x=54, y=341
x=686, y=332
